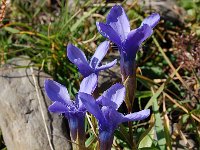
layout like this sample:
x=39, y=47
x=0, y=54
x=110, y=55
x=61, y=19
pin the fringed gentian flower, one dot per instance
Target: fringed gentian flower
x=117, y=29
x=105, y=111
x=77, y=57
x=74, y=111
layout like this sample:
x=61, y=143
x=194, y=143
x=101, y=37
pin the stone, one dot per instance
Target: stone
x=21, y=120
x=168, y=9
x=110, y=76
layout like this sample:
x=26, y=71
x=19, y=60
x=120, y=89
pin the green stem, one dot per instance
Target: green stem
x=130, y=85
x=79, y=144
x=130, y=132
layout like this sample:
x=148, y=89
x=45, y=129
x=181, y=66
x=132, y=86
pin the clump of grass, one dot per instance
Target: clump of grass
x=43, y=36
x=42, y=31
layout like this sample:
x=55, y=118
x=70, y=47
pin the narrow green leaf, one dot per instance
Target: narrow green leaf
x=149, y=148
x=155, y=96
x=11, y=30
x=143, y=94
x=124, y=134
x=90, y=140
x=160, y=89
x=147, y=140
x=79, y=21
x=196, y=112
x=159, y=126
x=167, y=136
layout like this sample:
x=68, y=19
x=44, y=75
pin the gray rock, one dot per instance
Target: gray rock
x=168, y=9
x=21, y=121
x=110, y=76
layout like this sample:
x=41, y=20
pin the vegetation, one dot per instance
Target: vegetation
x=168, y=74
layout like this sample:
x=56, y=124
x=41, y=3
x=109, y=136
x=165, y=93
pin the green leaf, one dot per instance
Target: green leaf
x=145, y=81
x=160, y=132
x=159, y=127
x=160, y=89
x=155, y=96
x=90, y=140
x=184, y=118
x=167, y=135
x=11, y=30
x=147, y=141
x=149, y=148
x=123, y=133
x=79, y=21
x=196, y=112
x=143, y=94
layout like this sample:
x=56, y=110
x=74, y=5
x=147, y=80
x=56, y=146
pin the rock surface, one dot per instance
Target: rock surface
x=21, y=121
x=168, y=9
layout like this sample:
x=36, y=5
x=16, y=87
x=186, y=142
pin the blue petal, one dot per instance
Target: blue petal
x=134, y=40
x=119, y=95
x=118, y=20
x=99, y=54
x=81, y=125
x=127, y=65
x=73, y=125
x=74, y=53
x=115, y=93
x=77, y=57
x=104, y=101
x=107, y=66
x=152, y=20
x=141, y=115
x=108, y=32
x=57, y=92
x=83, y=68
x=113, y=117
x=92, y=106
x=88, y=84
x=106, y=140
x=58, y=107
x=76, y=124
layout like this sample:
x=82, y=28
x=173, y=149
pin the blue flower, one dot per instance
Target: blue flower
x=117, y=29
x=105, y=111
x=73, y=110
x=77, y=57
